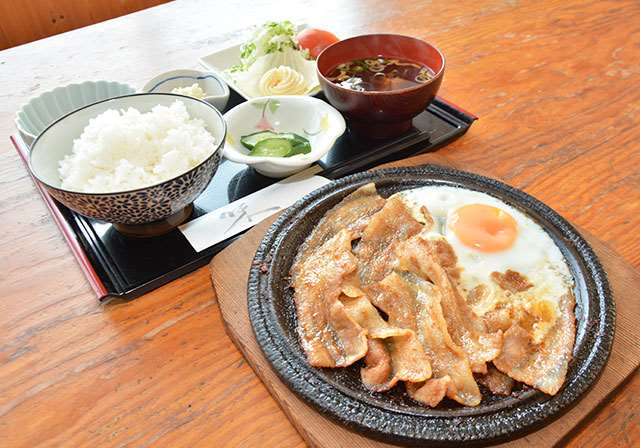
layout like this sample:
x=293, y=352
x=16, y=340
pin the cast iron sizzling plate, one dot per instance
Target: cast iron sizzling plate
x=392, y=416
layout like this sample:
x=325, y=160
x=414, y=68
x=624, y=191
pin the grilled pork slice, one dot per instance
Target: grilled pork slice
x=544, y=365
x=352, y=213
x=415, y=303
x=420, y=256
x=394, y=353
x=329, y=336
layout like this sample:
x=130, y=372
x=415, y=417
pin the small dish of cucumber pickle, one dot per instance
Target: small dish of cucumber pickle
x=281, y=135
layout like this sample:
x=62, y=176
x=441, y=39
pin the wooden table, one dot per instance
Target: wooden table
x=555, y=84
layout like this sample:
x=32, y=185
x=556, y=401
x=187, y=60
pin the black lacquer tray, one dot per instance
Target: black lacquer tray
x=392, y=416
x=117, y=265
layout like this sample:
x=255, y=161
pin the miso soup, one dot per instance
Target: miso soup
x=380, y=74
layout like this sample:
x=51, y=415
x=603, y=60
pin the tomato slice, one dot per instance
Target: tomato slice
x=315, y=40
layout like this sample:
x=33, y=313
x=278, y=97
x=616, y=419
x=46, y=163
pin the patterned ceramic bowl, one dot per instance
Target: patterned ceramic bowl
x=168, y=201
x=42, y=110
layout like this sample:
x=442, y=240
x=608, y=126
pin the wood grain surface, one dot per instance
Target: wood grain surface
x=36, y=19
x=229, y=273
x=555, y=83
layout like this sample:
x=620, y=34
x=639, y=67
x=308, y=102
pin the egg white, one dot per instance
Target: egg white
x=533, y=254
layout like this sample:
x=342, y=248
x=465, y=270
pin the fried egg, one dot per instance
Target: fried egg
x=487, y=236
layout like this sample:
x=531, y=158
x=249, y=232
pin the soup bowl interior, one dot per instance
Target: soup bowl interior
x=138, y=206
x=381, y=114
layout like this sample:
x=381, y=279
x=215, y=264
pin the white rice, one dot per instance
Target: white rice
x=127, y=149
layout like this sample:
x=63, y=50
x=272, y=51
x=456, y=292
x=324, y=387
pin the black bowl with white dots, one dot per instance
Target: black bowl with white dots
x=139, y=206
x=392, y=416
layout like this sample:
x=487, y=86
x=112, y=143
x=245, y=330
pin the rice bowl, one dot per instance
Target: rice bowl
x=127, y=149
x=166, y=200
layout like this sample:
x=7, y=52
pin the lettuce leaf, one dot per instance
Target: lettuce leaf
x=271, y=37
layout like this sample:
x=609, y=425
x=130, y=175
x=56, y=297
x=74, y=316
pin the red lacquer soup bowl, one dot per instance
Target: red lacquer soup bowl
x=380, y=114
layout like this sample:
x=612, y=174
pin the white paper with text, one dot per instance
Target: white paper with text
x=246, y=212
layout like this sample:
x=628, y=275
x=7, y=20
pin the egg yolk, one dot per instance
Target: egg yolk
x=483, y=227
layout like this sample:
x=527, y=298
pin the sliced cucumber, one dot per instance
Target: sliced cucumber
x=295, y=144
x=272, y=147
x=300, y=147
x=249, y=141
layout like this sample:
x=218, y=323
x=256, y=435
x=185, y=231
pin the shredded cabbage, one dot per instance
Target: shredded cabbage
x=272, y=45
